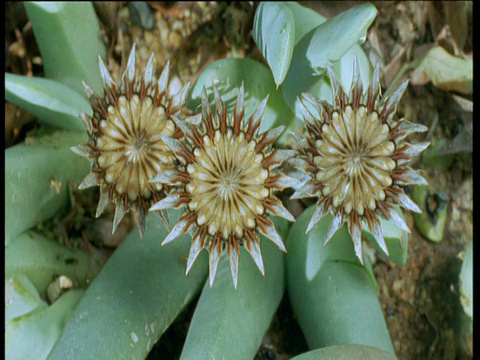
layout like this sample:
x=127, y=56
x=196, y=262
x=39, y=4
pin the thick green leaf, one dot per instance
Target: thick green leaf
x=346, y=352
x=41, y=259
x=274, y=33
x=335, y=37
x=234, y=321
x=301, y=77
x=228, y=75
x=36, y=179
x=305, y=19
x=21, y=297
x=318, y=254
x=137, y=295
x=69, y=38
x=395, y=238
x=33, y=335
x=332, y=295
x=52, y=102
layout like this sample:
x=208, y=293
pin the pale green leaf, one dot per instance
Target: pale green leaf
x=238, y=318
x=41, y=259
x=335, y=37
x=52, y=102
x=137, y=295
x=37, y=177
x=21, y=297
x=332, y=295
x=274, y=33
x=33, y=335
x=301, y=77
x=305, y=19
x=69, y=37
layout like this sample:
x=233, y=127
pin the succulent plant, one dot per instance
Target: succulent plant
x=227, y=179
x=124, y=146
x=357, y=158
x=226, y=169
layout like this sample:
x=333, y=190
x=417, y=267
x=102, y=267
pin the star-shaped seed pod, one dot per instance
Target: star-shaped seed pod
x=357, y=158
x=226, y=183
x=123, y=146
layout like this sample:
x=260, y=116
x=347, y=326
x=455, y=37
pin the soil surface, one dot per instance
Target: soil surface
x=420, y=300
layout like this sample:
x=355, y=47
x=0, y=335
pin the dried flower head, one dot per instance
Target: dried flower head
x=357, y=158
x=226, y=182
x=123, y=146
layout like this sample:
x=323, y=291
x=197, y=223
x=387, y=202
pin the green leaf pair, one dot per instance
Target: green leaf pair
x=136, y=296
x=40, y=259
x=69, y=38
x=143, y=287
x=233, y=321
x=296, y=42
x=279, y=27
x=37, y=177
x=334, y=297
x=68, y=35
x=299, y=63
x=39, y=171
x=32, y=334
x=50, y=101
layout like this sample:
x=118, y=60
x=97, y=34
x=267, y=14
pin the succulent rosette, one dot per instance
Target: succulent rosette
x=358, y=160
x=226, y=181
x=123, y=146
